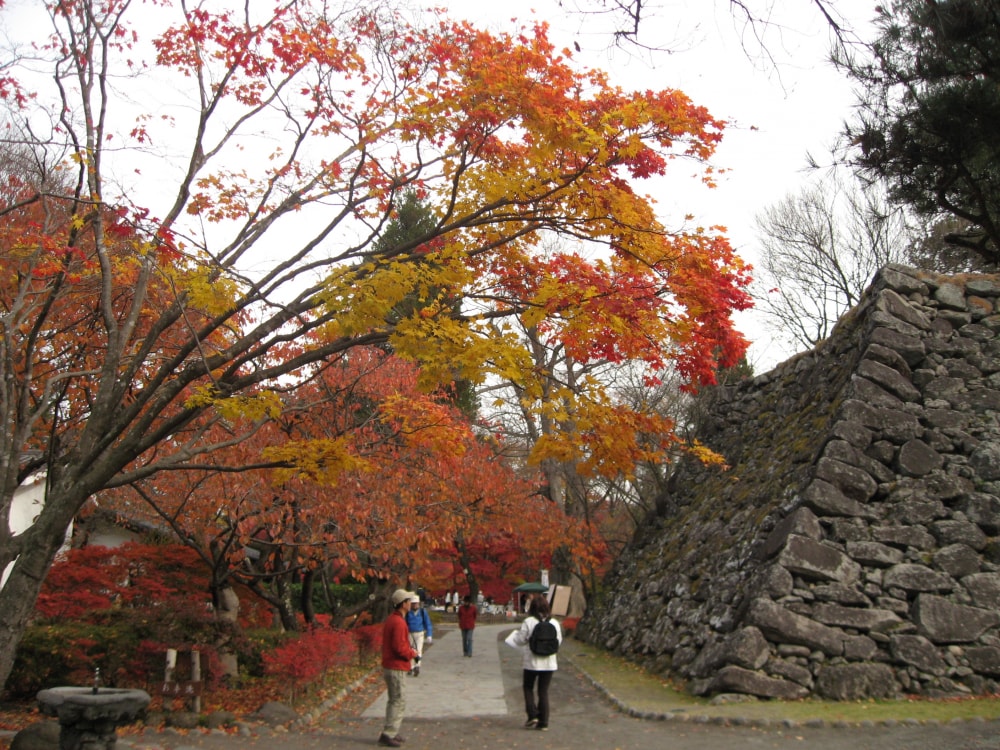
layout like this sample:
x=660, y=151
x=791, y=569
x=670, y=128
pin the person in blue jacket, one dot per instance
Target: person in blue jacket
x=421, y=631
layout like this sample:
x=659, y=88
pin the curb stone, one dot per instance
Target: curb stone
x=317, y=713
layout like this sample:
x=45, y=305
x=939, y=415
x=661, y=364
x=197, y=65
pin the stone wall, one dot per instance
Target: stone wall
x=850, y=550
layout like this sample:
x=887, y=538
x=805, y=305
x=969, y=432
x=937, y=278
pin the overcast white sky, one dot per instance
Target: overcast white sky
x=778, y=112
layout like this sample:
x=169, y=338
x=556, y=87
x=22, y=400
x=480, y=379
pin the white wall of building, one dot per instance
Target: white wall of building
x=28, y=501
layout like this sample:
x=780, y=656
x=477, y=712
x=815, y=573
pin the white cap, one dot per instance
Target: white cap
x=402, y=595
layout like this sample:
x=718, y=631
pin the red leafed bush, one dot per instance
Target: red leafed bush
x=569, y=625
x=85, y=582
x=369, y=638
x=117, y=610
x=80, y=583
x=304, y=660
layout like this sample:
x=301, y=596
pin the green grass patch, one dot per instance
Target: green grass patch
x=648, y=694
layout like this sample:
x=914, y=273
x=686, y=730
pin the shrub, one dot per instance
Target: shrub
x=368, y=638
x=251, y=646
x=304, y=660
x=127, y=644
x=120, y=609
x=341, y=594
x=87, y=582
x=69, y=654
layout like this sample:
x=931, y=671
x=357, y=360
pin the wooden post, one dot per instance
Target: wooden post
x=188, y=689
x=196, y=678
x=168, y=675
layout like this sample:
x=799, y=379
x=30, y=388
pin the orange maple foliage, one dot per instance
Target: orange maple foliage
x=151, y=324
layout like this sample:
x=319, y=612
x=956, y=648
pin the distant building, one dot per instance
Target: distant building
x=27, y=504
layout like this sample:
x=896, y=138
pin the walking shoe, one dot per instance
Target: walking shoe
x=542, y=728
x=387, y=741
x=531, y=723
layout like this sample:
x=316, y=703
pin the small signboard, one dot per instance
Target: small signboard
x=182, y=689
x=560, y=600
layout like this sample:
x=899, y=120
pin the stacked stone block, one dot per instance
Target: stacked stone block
x=851, y=549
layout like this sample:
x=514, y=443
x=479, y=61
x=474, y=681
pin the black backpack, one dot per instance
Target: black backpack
x=544, y=639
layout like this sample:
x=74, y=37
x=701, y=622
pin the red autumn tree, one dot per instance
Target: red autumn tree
x=229, y=181
x=411, y=476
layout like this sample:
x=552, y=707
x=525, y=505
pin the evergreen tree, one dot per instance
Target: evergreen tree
x=413, y=221
x=928, y=112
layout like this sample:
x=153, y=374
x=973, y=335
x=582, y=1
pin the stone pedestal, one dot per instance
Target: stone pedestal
x=89, y=720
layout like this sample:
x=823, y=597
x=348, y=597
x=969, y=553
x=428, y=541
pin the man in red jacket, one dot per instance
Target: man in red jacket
x=467, y=623
x=396, y=657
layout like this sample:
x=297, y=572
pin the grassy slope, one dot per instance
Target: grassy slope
x=644, y=693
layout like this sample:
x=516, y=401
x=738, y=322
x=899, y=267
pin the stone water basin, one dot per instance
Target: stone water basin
x=90, y=717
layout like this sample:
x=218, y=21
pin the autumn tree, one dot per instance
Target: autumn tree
x=496, y=507
x=230, y=177
x=928, y=98
x=569, y=388
x=570, y=421
x=408, y=461
x=255, y=520
x=628, y=500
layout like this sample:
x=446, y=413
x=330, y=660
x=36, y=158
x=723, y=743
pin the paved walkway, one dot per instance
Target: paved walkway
x=452, y=686
x=472, y=704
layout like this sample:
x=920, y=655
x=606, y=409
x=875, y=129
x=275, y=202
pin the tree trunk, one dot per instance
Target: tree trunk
x=227, y=612
x=566, y=573
x=466, y=563
x=331, y=605
x=577, y=597
x=568, y=489
x=19, y=593
x=306, y=599
x=286, y=608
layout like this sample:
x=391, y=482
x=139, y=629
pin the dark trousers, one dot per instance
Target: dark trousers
x=540, y=709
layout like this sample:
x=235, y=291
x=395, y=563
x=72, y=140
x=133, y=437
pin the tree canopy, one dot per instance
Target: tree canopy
x=213, y=237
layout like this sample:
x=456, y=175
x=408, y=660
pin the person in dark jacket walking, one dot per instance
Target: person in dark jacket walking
x=467, y=623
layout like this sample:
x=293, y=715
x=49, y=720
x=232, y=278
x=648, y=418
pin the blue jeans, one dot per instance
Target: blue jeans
x=467, y=642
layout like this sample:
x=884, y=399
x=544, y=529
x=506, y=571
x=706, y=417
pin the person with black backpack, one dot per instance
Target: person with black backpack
x=539, y=637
